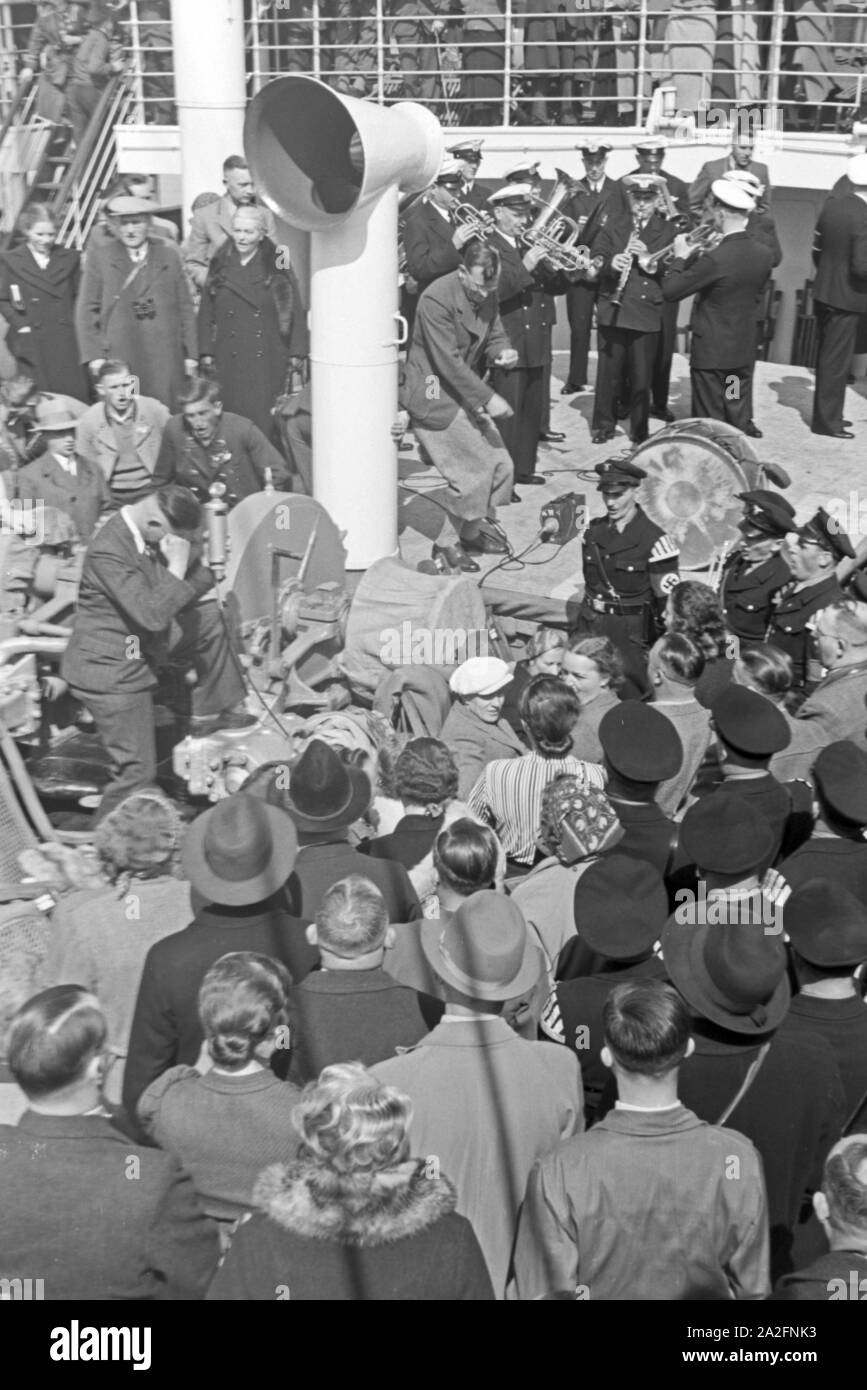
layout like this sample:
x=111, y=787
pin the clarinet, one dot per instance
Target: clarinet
x=617, y=296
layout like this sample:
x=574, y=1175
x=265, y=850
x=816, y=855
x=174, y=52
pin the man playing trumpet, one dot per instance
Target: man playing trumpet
x=629, y=310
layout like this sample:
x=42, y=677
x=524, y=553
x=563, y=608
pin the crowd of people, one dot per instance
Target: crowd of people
x=442, y=1022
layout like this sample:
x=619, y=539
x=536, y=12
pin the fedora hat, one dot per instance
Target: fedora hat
x=325, y=794
x=240, y=851
x=484, y=950
x=56, y=413
x=620, y=907
x=733, y=975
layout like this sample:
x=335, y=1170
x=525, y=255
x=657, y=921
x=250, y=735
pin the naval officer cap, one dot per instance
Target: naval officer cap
x=594, y=148
x=450, y=172
x=467, y=149
x=856, y=170
x=826, y=532
x=615, y=474
x=733, y=195
x=649, y=144
x=519, y=173
x=766, y=513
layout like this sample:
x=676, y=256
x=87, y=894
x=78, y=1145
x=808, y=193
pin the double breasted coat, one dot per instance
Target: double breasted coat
x=142, y=314
x=39, y=307
x=252, y=322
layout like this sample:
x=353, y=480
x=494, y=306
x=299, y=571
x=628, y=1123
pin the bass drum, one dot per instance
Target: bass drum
x=694, y=470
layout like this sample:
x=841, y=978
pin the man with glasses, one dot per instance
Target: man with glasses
x=812, y=552
x=837, y=703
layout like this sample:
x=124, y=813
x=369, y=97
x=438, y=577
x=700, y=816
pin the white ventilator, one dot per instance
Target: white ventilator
x=333, y=165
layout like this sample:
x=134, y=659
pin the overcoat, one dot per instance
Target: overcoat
x=39, y=306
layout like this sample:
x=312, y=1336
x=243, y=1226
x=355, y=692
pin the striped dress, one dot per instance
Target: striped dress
x=508, y=795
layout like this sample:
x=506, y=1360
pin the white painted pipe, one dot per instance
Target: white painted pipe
x=210, y=89
x=333, y=166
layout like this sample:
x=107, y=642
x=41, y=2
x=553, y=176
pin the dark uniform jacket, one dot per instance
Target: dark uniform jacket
x=728, y=283
x=793, y=1113
x=126, y=602
x=641, y=307
x=678, y=191
x=633, y=565
x=83, y=497
x=182, y=459
x=747, y=594
x=39, y=307
x=649, y=833
x=788, y=626
x=840, y=254
x=354, y=1016
x=786, y=806
x=452, y=344
x=578, y=1003
x=829, y=856
x=826, y=1280
x=761, y=226
x=427, y=240
x=843, y=1025
x=411, y=840
x=585, y=203
x=527, y=306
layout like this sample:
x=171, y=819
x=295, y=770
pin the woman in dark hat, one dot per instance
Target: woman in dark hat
x=355, y=1218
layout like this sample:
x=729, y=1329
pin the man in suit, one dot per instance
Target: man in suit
x=525, y=294
x=458, y=333
x=352, y=1009
x=212, y=224
x=205, y=445
x=432, y=240
x=630, y=319
x=60, y=477
x=487, y=1102
x=740, y=157
x=594, y=198
x=134, y=304
x=837, y=705
x=602, y=1212
x=141, y=573
x=121, y=434
x=650, y=154
x=728, y=283
x=840, y=295
x=237, y=857
x=86, y=1209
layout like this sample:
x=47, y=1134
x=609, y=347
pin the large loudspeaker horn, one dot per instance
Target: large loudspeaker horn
x=316, y=156
x=332, y=165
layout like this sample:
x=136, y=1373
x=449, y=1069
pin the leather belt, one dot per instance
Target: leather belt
x=601, y=605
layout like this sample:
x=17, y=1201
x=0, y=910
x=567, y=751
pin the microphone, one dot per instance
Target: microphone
x=216, y=523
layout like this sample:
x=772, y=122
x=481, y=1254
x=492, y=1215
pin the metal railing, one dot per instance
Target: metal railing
x=579, y=62
x=94, y=165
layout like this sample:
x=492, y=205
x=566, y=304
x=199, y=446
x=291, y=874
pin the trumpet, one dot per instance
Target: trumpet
x=669, y=206
x=704, y=237
x=465, y=215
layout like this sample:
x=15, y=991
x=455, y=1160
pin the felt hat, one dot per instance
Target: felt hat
x=324, y=794
x=733, y=975
x=240, y=851
x=56, y=413
x=484, y=950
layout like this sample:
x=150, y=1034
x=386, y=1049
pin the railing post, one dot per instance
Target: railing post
x=380, y=55
x=135, y=50
x=507, y=66
x=317, y=36
x=641, y=72
x=775, y=55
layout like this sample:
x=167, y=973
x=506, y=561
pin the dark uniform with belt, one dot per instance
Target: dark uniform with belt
x=629, y=318
x=628, y=573
x=755, y=572
x=790, y=625
x=527, y=311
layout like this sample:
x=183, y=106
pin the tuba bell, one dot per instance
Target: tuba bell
x=556, y=233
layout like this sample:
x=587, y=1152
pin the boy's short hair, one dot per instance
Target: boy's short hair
x=53, y=1037
x=647, y=1027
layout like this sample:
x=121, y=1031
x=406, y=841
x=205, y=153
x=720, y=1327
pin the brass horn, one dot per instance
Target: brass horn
x=556, y=233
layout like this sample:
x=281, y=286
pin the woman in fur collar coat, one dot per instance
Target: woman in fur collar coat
x=354, y=1218
x=252, y=323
